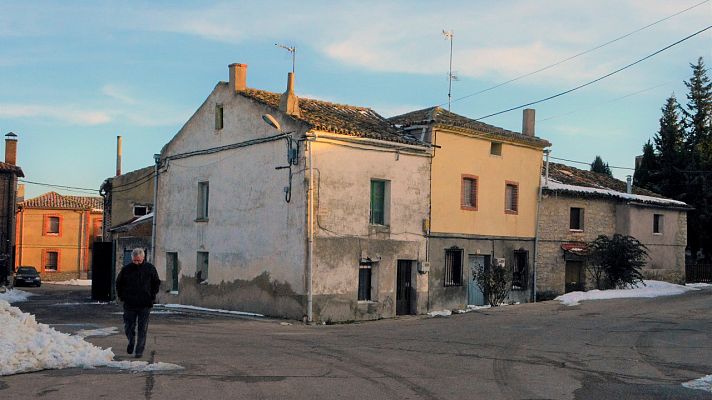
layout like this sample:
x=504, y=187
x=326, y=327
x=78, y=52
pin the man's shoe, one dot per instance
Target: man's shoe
x=130, y=348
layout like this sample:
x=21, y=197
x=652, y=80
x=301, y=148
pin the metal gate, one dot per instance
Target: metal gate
x=403, y=287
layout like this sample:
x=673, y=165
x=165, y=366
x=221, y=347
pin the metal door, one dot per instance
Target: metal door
x=474, y=293
x=403, y=287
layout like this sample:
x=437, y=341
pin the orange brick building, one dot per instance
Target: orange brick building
x=55, y=234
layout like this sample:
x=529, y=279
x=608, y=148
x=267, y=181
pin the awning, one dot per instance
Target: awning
x=578, y=249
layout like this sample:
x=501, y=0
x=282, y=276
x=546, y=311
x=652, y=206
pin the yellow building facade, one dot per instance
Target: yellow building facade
x=54, y=234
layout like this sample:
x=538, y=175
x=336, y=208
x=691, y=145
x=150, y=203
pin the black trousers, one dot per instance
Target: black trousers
x=131, y=317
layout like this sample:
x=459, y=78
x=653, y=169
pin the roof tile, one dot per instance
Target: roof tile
x=55, y=200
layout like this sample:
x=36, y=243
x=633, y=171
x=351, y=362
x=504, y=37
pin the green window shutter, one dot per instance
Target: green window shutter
x=377, y=202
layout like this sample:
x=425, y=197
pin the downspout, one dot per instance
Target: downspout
x=536, y=228
x=157, y=159
x=310, y=263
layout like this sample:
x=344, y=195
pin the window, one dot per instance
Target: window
x=203, y=199
x=576, y=219
x=453, y=267
x=469, y=193
x=139, y=211
x=496, y=149
x=201, y=267
x=511, y=198
x=364, y=282
x=172, y=271
x=658, y=224
x=218, y=116
x=379, y=202
x=520, y=271
x=52, y=225
x=51, y=260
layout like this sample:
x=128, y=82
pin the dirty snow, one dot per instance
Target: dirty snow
x=15, y=295
x=26, y=345
x=470, y=308
x=186, y=307
x=85, y=333
x=704, y=383
x=443, y=313
x=698, y=285
x=651, y=289
x=71, y=282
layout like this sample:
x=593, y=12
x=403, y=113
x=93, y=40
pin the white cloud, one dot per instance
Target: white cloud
x=67, y=114
x=118, y=93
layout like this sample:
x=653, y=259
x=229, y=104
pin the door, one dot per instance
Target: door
x=474, y=293
x=403, y=287
x=575, y=278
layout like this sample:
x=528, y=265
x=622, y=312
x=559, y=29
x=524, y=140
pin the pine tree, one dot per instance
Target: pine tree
x=646, y=171
x=669, y=143
x=599, y=166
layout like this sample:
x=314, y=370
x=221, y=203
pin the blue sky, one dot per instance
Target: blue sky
x=75, y=74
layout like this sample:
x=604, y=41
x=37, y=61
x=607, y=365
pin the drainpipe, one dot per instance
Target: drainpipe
x=536, y=228
x=310, y=264
x=157, y=159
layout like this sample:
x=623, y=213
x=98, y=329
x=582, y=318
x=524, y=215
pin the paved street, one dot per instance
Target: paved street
x=615, y=349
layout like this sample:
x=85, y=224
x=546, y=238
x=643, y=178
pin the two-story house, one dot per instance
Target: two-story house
x=577, y=206
x=55, y=234
x=484, y=183
x=292, y=207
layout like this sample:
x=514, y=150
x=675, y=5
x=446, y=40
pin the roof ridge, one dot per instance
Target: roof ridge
x=331, y=103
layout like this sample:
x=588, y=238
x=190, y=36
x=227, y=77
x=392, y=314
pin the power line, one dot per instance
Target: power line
x=597, y=79
x=76, y=189
x=577, y=55
x=586, y=163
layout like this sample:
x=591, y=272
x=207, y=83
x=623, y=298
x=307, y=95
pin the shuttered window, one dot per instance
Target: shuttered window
x=378, y=202
x=511, y=198
x=468, y=199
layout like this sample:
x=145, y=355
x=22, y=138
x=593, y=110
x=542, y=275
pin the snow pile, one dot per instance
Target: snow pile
x=704, y=383
x=698, y=285
x=85, y=333
x=14, y=295
x=443, y=313
x=26, y=345
x=471, y=307
x=80, y=304
x=185, y=307
x=651, y=289
x=71, y=282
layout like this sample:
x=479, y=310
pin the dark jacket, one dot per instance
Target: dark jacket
x=137, y=285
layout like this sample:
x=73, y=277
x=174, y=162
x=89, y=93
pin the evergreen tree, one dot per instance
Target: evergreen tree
x=669, y=143
x=599, y=166
x=646, y=171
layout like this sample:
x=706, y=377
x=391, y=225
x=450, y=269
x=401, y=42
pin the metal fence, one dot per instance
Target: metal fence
x=698, y=273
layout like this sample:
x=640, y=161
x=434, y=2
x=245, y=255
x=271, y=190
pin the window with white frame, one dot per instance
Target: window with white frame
x=658, y=224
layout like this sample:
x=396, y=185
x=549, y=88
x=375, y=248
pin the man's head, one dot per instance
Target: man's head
x=137, y=256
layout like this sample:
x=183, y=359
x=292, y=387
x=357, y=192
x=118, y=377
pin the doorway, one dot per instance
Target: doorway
x=475, y=296
x=404, y=288
x=575, y=277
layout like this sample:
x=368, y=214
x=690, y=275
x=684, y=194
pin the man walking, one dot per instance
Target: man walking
x=137, y=286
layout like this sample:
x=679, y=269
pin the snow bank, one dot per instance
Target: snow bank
x=26, y=345
x=185, y=307
x=443, y=313
x=14, y=295
x=71, y=282
x=80, y=304
x=651, y=289
x=698, y=285
x=704, y=383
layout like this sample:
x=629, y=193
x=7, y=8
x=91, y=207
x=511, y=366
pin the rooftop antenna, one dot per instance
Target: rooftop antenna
x=290, y=49
x=448, y=36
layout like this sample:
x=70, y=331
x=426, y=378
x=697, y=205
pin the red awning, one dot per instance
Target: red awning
x=576, y=248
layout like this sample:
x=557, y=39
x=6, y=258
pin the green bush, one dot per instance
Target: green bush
x=616, y=262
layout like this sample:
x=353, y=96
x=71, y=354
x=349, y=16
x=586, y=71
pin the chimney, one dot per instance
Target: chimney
x=118, y=155
x=11, y=148
x=238, y=76
x=289, y=102
x=528, y=122
x=629, y=184
x=20, y=192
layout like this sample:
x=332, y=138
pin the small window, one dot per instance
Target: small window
x=520, y=271
x=379, y=202
x=496, y=149
x=139, y=211
x=203, y=200
x=576, y=219
x=172, y=271
x=453, y=267
x=469, y=193
x=52, y=226
x=218, y=116
x=658, y=224
x=364, y=282
x=511, y=198
x=201, y=268
x=51, y=260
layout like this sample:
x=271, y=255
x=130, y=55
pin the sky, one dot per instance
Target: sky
x=75, y=74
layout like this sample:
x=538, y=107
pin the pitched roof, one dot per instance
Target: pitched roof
x=564, y=178
x=54, y=200
x=338, y=118
x=5, y=167
x=440, y=117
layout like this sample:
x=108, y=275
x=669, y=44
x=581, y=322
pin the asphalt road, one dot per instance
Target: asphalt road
x=613, y=349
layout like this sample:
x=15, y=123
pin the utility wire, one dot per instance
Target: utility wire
x=76, y=189
x=576, y=55
x=597, y=79
x=587, y=163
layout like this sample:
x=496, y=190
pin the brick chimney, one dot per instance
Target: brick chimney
x=528, y=122
x=289, y=102
x=11, y=148
x=238, y=76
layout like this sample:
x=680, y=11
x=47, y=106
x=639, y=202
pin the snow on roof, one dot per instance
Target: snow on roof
x=555, y=185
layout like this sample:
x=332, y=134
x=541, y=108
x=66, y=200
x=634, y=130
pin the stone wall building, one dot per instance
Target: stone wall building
x=577, y=206
x=9, y=172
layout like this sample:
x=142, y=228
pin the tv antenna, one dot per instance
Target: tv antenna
x=290, y=49
x=450, y=77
